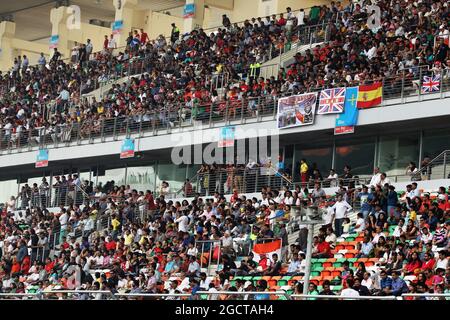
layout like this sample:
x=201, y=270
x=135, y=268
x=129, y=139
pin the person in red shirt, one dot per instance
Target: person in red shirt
x=281, y=21
x=264, y=262
x=49, y=264
x=413, y=264
x=150, y=200
x=429, y=262
x=323, y=249
x=64, y=245
x=110, y=244
x=234, y=196
x=15, y=268
x=105, y=42
x=144, y=36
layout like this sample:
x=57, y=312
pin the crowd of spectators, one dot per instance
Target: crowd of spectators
x=177, y=83
x=150, y=244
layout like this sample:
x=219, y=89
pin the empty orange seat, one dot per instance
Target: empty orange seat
x=369, y=263
x=325, y=273
x=329, y=278
x=350, y=247
x=340, y=247
x=315, y=281
x=327, y=264
x=276, y=278
x=332, y=260
x=271, y=283
x=329, y=269
x=267, y=278
x=336, y=273
x=363, y=259
x=373, y=259
x=349, y=255
x=297, y=278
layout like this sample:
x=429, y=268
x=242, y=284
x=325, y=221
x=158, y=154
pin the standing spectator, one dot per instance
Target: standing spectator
x=89, y=49
x=340, y=208
x=144, y=37
x=112, y=43
x=175, y=34
x=226, y=21
x=105, y=43
x=303, y=171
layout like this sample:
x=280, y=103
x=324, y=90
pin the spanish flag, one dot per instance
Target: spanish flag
x=369, y=95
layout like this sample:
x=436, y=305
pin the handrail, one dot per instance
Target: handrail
x=425, y=168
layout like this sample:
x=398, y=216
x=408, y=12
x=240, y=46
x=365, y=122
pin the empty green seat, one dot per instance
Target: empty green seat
x=350, y=239
x=337, y=264
x=287, y=278
x=341, y=260
x=248, y=278
x=281, y=283
x=336, y=288
x=322, y=260
x=315, y=273
x=352, y=259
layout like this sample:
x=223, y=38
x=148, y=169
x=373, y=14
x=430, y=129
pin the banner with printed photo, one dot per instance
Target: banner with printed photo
x=54, y=40
x=127, y=149
x=296, y=110
x=226, y=138
x=117, y=26
x=42, y=158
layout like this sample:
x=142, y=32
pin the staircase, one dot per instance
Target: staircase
x=437, y=168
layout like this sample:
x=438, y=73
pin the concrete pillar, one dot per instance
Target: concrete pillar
x=58, y=18
x=125, y=11
x=7, y=53
x=196, y=21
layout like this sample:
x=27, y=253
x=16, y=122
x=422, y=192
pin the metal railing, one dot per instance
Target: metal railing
x=435, y=169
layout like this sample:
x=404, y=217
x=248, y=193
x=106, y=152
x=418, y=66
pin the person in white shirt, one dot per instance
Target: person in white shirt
x=340, y=208
x=442, y=261
x=183, y=223
x=384, y=180
x=414, y=190
x=349, y=291
x=112, y=43
x=333, y=178
x=400, y=228
x=376, y=177
x=301, y=17
x=360, y=225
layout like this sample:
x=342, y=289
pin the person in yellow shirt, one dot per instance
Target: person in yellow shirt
x=128, y=238
x=303, y=171
x=115, y=225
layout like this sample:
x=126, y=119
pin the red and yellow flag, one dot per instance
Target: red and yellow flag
x=370, y=95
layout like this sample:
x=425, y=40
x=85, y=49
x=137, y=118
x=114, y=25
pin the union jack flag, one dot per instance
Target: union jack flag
x=331, y=101
x=431, y=84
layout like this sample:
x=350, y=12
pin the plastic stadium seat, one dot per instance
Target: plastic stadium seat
x=248, y=278
x=329, y=269
x=340, y=247
x=336, y=273
x=287, y=278
x=276, y=278
x=282, y=283
x=297, y=278
x=353, y=259
x=322, y=260
x=336, y=288
x=363, y=259
x=369, y=263
x=267, y=278
x=341, y=260
x=374, y=260
x=315, y=273
x=326, y=273
x=349, y=247
x=271, y=283
x=331, y=260
x=349, y=255
x=337, y=264
x=327, y=264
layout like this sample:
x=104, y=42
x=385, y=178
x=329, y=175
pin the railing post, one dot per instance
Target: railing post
x=226, y=111
x=211, y=109
x=420, y=84
x=403, y=87
x=445, y=165
x=441, y=80
x=242, y=110
x=102, y=131
x=115, y=129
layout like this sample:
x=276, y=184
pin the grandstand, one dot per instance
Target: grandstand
x=334, y=178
